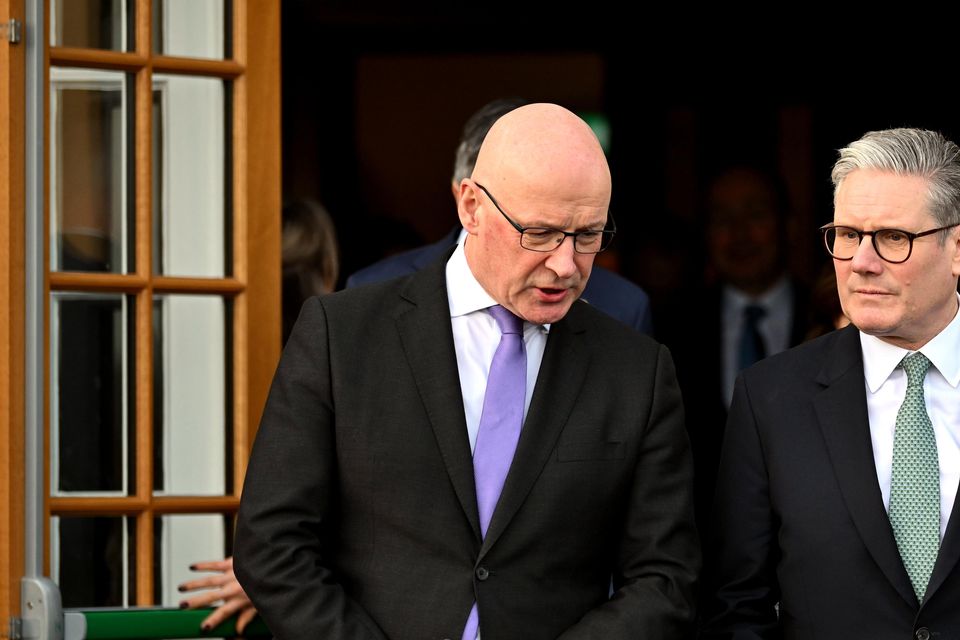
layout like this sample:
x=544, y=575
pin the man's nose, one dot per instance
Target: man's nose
x=866, y=259
x=562, y=260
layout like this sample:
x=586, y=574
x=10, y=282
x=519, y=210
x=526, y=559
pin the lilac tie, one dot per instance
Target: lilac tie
x=500, y=425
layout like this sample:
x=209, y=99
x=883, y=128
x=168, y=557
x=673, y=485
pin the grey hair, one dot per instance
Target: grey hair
x=475, y=130
x=909, y=152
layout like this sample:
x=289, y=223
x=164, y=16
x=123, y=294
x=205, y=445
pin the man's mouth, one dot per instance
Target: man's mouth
x=552, y=294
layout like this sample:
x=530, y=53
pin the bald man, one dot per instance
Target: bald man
x=605, y=290
x=470, y=451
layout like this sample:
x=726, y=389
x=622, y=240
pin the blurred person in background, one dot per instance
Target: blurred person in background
x=311, y=263
x=749, y=308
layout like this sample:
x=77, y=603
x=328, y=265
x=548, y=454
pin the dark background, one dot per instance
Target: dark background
x=375, y=95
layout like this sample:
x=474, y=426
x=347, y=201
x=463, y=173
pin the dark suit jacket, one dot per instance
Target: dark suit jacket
x=693, y=331
x=799, y=516
x=607, y=291
x=359, y=514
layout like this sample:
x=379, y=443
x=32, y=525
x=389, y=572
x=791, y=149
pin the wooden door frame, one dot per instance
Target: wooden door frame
x=12, y=321
x=257, y=203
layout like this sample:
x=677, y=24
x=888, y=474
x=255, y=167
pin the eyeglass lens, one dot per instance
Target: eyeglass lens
x=890, y=244
x=543, y=239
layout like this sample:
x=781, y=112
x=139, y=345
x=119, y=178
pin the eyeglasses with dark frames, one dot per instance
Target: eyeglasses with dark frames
x=546, y=239
x=893, y=245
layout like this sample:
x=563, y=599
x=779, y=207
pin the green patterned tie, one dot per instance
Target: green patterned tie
x=915, y=481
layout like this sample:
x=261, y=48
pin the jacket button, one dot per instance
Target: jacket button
x=483, y=574
x=922, y=634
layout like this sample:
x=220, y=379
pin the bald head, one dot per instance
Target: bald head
x=539, y=168
x=544, y=147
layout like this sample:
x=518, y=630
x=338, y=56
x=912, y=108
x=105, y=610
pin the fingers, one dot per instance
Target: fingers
x=229, y=593
x=213, y=565
x=206, y=583
x=245, y=617
x=223, y=587
x=213, y=619
x=232, y=589
x=224, y=612
x=201, y=600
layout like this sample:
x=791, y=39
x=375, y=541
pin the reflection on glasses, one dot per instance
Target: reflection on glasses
x=892, y=245
x=547, y=239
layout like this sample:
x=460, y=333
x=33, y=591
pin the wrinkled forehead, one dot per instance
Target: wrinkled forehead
x=553, y=204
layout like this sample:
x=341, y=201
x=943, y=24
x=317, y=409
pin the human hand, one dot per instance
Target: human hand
x=224, y=588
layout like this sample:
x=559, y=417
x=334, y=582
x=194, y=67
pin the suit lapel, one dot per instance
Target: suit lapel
x=842, y=411
x=427, y=337
x=949, y=552
x=562, y=372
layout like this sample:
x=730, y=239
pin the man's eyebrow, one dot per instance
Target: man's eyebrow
x=600, y=226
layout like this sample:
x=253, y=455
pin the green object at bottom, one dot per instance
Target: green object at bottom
x=134, y=624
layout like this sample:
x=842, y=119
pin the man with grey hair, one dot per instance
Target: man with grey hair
x=614, y=295
x=841, y=458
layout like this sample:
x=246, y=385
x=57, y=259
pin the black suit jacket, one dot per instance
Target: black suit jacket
x=613, y=294
x=693, y=331
x=800, y=518
x=359, y=515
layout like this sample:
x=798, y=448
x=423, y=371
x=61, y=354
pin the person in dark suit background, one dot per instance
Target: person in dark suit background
x=608, y=291
x=749, y=308
x=835, y=514
x=366, y=510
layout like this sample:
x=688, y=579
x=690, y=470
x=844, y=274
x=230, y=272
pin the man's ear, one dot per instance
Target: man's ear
x=468, y=205
x=953, y=244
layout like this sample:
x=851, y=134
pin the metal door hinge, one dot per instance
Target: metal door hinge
x=10, y=30
x=13, y=630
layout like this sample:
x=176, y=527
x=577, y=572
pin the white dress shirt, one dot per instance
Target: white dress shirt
x=476, y=337
x=774, y=327
x=886, y=389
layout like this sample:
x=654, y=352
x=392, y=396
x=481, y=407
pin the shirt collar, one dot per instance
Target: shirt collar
x=465, y=294
x=881, y=358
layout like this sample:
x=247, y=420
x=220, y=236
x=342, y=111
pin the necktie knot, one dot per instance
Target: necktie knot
x=507, y=322
x=753, y=313
x=915, y=365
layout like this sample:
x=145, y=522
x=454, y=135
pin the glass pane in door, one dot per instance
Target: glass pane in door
x=92, y=24
x=192, y=452
x=93, y=560
x=191, y=28
x=91, y=191
x=181, y=540
x=91, y=425
x=191, y=221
